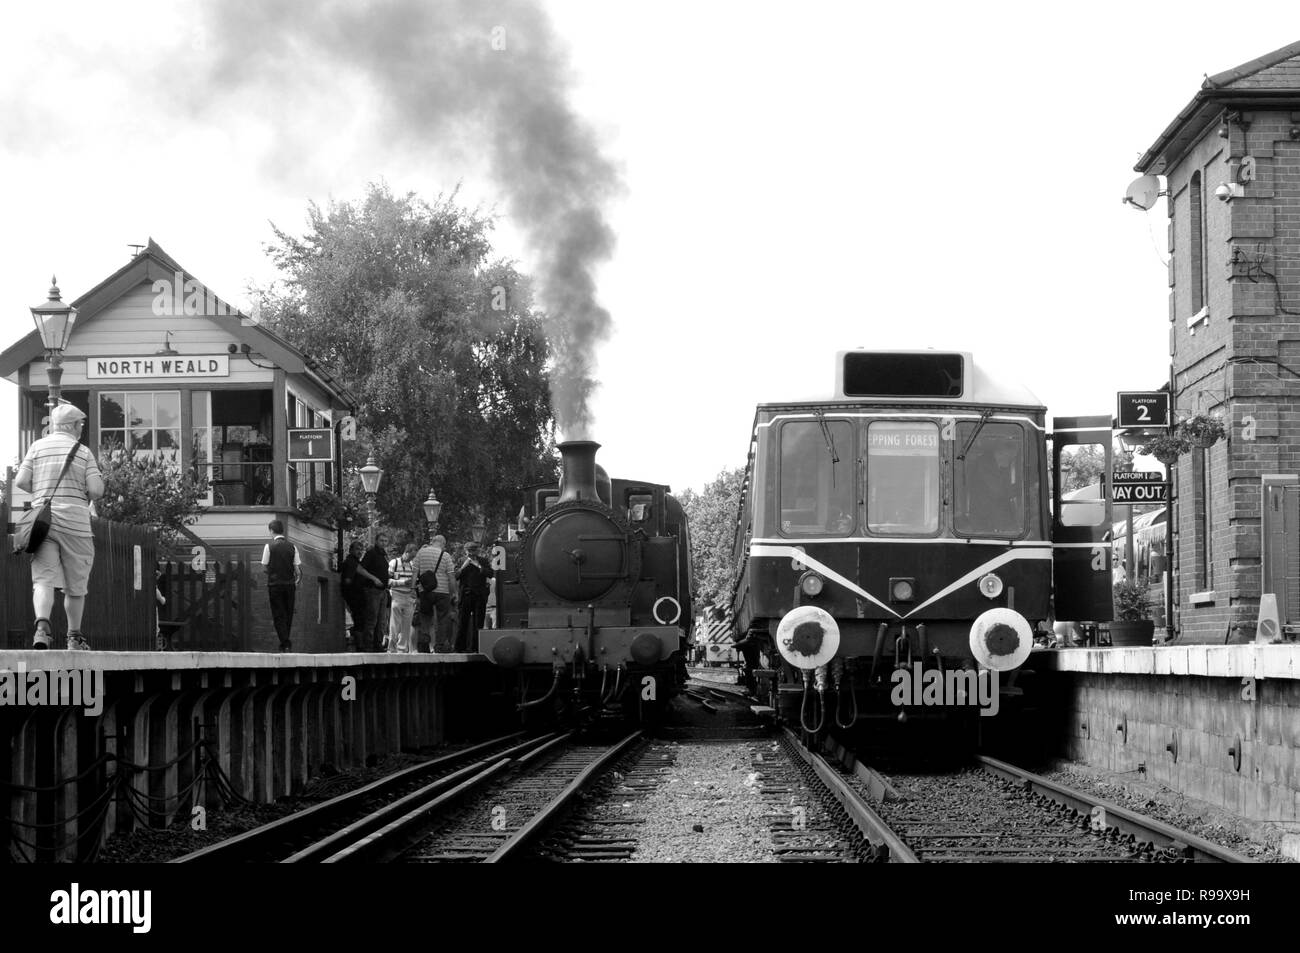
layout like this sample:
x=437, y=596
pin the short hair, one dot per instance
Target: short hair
x=276, y=526
x=355, y=545
x=440, y=541
x=410, y=549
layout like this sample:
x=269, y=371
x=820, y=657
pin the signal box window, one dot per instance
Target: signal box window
x=990, y=481
x=817, y=478
x=903, y=478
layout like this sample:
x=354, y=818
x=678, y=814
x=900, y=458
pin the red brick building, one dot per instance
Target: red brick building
x=1232, y=161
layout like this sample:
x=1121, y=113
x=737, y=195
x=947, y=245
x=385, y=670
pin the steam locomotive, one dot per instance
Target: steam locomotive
x=594, y=597
x=895, y=547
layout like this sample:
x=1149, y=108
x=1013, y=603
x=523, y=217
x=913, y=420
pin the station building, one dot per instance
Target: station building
x=1231, y=159
x=161, y=364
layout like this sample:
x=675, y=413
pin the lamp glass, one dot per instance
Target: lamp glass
x=54, y=325
x=477, y=532
x=370, y=476
x=432, y=508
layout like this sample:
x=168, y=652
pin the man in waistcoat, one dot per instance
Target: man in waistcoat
x=283, y=570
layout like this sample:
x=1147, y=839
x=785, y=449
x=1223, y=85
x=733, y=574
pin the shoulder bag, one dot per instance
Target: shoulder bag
x=33, y=526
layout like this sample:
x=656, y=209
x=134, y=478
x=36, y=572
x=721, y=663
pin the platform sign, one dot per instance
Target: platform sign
x=1136, y=410
x=311, y=446
x=1138, y=486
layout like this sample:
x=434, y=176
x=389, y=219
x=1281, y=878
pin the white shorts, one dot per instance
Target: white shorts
x=64, y=562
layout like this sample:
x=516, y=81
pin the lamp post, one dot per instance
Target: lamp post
x=371, y=474
x=432, y=510
x=54, y=321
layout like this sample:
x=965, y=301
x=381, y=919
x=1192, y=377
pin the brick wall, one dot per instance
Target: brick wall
x=1228, y=363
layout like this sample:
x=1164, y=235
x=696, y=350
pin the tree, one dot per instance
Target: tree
x=403, y=302
x=147, y=490
x=712, y=515
x=1082, y=466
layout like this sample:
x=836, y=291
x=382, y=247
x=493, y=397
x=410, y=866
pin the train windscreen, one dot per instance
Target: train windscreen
x=903, y=477
x=902, y=375
x=990, y=481
x=817, y=478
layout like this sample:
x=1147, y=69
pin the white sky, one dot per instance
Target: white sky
x=801, y=178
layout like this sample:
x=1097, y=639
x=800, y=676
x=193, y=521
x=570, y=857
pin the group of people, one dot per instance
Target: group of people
x=426, y=599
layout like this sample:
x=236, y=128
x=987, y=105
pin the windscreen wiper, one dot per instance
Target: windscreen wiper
x=830, y=441
x=975, y=433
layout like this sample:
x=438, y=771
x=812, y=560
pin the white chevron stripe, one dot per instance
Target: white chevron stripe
x=790, y=552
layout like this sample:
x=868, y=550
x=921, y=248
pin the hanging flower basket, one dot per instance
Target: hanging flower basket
x=1167, y=447
x=1202, y=430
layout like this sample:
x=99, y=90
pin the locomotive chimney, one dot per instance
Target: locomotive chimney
x=578, y=474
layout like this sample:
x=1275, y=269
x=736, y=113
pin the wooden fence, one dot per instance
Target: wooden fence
x=207, y=609
x=120, y=600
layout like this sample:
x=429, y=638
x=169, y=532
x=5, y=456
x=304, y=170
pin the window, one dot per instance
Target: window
x=232, y=427
x=903, y=477
x=1196, y=198
x=817, y=496
x=307, y=478
x=1083, y=478
x=1201, y=474
x=990, y=481
x=147, y=422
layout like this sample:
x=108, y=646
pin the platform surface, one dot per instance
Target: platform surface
x=35, y=660
x=1212, y=661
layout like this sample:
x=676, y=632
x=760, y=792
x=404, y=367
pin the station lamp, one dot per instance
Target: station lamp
x=371, y=474
x=432, y=510
x=54, y=321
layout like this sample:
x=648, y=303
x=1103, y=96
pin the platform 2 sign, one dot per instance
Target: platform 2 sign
x=1138, y=486
x=311, y=446
x=1141, y=409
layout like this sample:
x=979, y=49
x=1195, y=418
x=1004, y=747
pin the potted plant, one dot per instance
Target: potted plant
x=325, y=507
x=1132, y=625
x=1202, y=430
x=1167, y=446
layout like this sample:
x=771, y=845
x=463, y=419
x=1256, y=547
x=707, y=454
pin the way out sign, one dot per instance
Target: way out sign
x=1138, y=486
x=307, y=446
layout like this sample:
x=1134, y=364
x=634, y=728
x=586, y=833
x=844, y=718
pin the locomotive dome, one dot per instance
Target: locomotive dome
x=922, y=376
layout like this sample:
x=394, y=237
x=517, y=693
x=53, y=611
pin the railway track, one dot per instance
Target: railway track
x=288, y=837
x=992, y=811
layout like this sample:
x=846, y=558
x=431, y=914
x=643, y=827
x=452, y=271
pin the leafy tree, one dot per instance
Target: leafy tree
x=149, y=491
x=1082, y=466
x=405, y=304
x=712, y=515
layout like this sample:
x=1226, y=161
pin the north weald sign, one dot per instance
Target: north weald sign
x=1141, y=409
x=1138, y=486
x=311, y=446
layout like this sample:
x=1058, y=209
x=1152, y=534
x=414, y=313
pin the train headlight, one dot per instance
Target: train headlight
x=991, y=585
x=902, y=590
x=811, y=584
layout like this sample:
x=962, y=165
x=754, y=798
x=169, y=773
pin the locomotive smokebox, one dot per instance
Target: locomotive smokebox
x=578, y=471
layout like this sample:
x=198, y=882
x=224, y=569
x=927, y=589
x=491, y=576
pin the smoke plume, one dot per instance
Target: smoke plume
x=486, y=75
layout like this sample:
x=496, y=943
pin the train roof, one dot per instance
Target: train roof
x=917, y=377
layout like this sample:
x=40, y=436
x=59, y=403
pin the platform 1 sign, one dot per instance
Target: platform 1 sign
x=1138, y=486
x=311, y=446
x=1141, y=409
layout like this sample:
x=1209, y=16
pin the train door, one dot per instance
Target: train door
x=1081, y=518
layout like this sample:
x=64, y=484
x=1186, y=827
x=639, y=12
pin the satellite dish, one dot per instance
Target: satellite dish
x=1143, y=192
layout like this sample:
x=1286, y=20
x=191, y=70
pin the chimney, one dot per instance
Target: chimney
x=578, y=474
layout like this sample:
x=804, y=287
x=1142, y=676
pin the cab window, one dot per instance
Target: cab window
x=816, y=478
x=903, y=477
x=990, y=480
